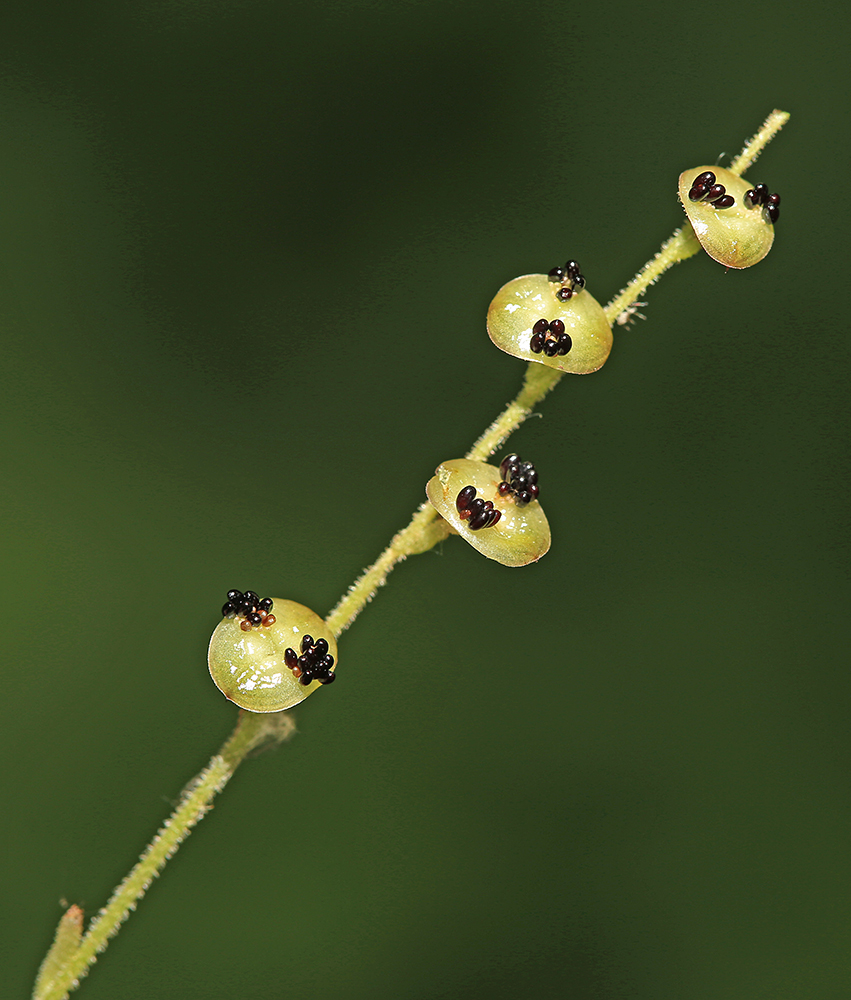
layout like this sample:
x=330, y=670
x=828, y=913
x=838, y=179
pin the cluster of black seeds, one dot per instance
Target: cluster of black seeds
x=570, y=278
x=758, y=195
x=550, y=337
x=480, y=513
x=315, y=661
x=519, y=479
x=253, y=611
x=704, y=188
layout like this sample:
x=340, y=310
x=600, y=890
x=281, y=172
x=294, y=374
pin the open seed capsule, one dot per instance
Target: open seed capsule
x=734, y=234
x=520, y=306
x=250, y=667
x=519, y=536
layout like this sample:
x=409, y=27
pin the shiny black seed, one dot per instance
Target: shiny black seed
x=465, y=498
x=290, y=657
x=327, y=662
x=771, y=213
x=255, y=618
x=523, y=497
x=751, y=199
x=579, y=281
x=534, y=490
x=229, y=610
x=563, y=294
x=329, y=679
x=249, y=595
x=495, y=515
x=725, y=201
x=697, y=192
x=479, y=520
x=761, y=191
x=321, y=647
x=235, y=596
x=557, y=327
x=550, y=348
x=536, y=344
x=476, y=507
x=773, y=199
x=306, y=643
x=541, y=326
x=564, y=343
x=519, y=482
x=507, y=463
x=707, y=178
x=503, y=488
x=572, y=268
x=557, y=274
x=246, y=608
x=716, y=191
x=266, y=604
x=304, y=661
x=306, y=677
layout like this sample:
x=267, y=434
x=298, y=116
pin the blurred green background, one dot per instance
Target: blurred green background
x=247, y=250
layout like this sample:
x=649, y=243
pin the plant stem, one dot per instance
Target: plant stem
x=251, y=731
x=68, y=961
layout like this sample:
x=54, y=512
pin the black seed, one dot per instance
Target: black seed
x=536, y=344
x=579, y=281
x=563, y=294
x=716, y=191
x=246, y=608
x=707, y=178
x=773, y=199
x=697, y=192
x=771, y=213
x=572, y=268
x=503, y=488
x=761, y=192
x=321, y=647
x=479, y=520
x=306, y=643
x=235, y=596
x=750, y=199
x=556, y=274
x=328, y=661
x=329, y=679
x=557, y=327
x=495, y=515
x=306, y=677
x=465, y=498
x=255, y=618
x=290, y=657
x=507, y=463
x=476, y=507
x=533, y=491
x=551, y=348
x=725, y=201
x=541, y=326
x=229, y=610
x=523, y=497
x=266, y=604
x=249, y=595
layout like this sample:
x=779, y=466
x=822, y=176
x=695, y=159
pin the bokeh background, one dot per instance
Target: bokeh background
x=247, y=249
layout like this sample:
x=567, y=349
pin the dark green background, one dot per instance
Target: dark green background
x=247, y=249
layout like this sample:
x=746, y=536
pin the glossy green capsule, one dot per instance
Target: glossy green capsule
x=249, y=668
x=737, y=236
x=522, y=534
x=521, y=303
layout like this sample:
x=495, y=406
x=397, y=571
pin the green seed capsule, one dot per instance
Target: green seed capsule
x=738, y=236
x=522, y=533
x=249, y=667
x=518, y=309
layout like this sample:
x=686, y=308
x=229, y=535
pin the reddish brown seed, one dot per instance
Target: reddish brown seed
x=563, y=294
x=269, y=620
x=245, y=625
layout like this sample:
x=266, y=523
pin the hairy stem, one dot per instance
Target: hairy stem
x=61, y=972
x=70, y=957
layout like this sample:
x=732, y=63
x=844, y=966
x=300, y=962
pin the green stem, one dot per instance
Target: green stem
x=56, y=981
x=68, y=961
